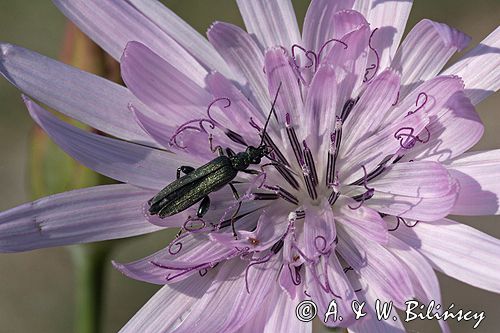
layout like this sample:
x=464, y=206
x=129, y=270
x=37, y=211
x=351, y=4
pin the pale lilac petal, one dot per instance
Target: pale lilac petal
x=183, y=33
x=174, y=263
x=455, y=129
x=120, y=160
x=430, y=97
x=341, y=285
x=161, y=86
x=424, y=279
x=279, y=72
x=457, y=250
x=350, y=63
x=319, y=230
x=424, y=209
x=417, y=190
x=370, y=323
x=90, y=99
x=80, y=216
x=244, y=56
x=169, y=306
x=478, y=174
x=390, y=18
x=282, y=316
x=374, y=149
x=270, y=228
x=272, y=22
x=377, y=267
x=425, y=51
x=237, y=115
x=228, y=299
x=417, y=179
x=480, y=68
x=320, y=109
x=320, y=21
x=369, y=112
x=363, y=220
x=112, y=24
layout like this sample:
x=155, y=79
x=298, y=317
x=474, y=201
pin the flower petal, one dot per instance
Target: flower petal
x=350, y=63
x=182, y=259
x=416, y=179
x=480, y=68
x=80, y=216
x=319, y=230
x=320, y=109
x=390, y=18
x=369, y=112
x=377, y=267
x=167, y=308
x=478, y=174
x=161, y=86
x=424, y=279
x=363, y=220
x=183, y=33
x=453, y=130
x=457, y=250
x=425, y=51
x=112, y=24
x=416, y=190
x=272, y=22
x=228, y=298
x=95, y=101
x=120, y=160
x=320, y=21
x=244, y=56
x=279, y=72
x=429, y=97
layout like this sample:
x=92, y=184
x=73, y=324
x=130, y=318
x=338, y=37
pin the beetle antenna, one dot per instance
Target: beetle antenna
x=269, y=116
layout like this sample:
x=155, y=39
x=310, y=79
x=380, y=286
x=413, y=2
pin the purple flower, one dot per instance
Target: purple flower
x=368, y=142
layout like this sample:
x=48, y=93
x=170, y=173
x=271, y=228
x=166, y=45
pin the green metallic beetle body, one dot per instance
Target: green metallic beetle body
x=196, y=185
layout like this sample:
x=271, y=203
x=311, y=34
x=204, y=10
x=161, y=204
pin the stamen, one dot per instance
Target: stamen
x=296, y=279
x=318, y=61
x=310, y=163
x=397, y=99
x=377, y=63
x=365, y=196
x=294, y=141
x=283, y=194
x=324, y=249
x=426, y=98
x=400, y=219
x=348, y=106
x=335, y=140
x=265, y=196
x=333, y=197
x=263, y=260
x=408, y=140
x=235, y=137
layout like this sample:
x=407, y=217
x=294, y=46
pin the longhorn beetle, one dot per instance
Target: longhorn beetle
x=197, y=184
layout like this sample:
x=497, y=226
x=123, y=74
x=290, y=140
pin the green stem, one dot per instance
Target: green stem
x=89, y=261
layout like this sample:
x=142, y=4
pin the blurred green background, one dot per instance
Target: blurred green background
x=37, y=288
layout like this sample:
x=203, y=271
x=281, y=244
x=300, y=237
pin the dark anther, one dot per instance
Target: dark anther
x=277, y=246
x=235, y=137
x=365, y=196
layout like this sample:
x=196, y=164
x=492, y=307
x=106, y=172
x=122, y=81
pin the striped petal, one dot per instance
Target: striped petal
x=480, y=68
x=120, y=160
x=88, y=98
x=80, y=216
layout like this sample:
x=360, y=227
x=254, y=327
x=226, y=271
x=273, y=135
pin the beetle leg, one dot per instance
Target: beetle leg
x=251, y=172
x=216, y=148
x=185, y=170
x=203, y=208
x=237, y=197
